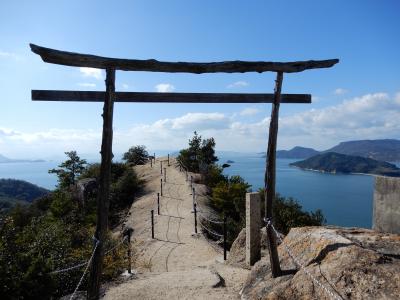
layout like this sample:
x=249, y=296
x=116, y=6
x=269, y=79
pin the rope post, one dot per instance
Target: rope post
x=191, y=181
x=195, y=218
x=158, y=203
x=168, y=160
x=152, y=223
x=127, y=233
x=151, y=162
x=165, y=174
x=194, y=198
x=225, y=238
x=186, y=175
x=161, y=187
x=161, y=166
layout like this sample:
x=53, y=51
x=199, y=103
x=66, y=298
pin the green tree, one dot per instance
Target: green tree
x=136, y=155
x=69, y=169
x=288, y=213
x=200, y=155
x=207, y=151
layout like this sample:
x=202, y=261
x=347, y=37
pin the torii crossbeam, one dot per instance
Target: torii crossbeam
x=151, y=65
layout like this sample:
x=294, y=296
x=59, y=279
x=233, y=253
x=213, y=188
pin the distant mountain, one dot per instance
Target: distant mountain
x=20, y=190
x=385, y=150
x=332, y=162
x=4, y=159
x=297, y=152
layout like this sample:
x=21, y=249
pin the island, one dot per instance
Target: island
x=332, y=162
x=297, y=153
x=4, y=159
x=384, y=149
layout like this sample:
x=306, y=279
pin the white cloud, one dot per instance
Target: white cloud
x=250, y=111
x=5, y=55
x=91, y=72
x=86, y=84
x=370, y=116
x=397, y=98
x=125, y=86
x=340, y=91
x=238, y=84
x=164, y=88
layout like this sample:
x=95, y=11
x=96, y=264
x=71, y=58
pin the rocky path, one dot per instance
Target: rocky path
x=176, y=264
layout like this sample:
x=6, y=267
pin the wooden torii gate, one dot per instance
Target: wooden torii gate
x=110, y=65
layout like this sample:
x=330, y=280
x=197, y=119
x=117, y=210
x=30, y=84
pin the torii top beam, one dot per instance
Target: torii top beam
x=152, y=65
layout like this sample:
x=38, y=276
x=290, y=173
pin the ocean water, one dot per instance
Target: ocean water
x=36, y=173
x=346, y=200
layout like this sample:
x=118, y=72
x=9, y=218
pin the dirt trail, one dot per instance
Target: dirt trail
x=176, y=264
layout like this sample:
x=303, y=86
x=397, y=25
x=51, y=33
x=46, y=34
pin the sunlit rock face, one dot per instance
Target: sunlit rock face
x=352, y=263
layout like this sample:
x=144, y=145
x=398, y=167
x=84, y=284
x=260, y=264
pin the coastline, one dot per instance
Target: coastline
x=334, y=173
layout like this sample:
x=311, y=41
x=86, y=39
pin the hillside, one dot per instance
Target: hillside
x=385, y=150
x=20, y=190
x=297, y=152
x=340, y=163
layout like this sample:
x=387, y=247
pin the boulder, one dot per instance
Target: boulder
x=237, y=253
x=85, y=188
x=350, y=263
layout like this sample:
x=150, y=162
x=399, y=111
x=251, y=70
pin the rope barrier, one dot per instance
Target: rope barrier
x=210, y=231
x=86, y=262
x=113, y=248
x=207, y=219
x=86, y=269
x=297, y=262
x=69, y=268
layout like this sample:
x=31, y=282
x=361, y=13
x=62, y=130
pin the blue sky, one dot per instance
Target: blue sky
x=357, y=99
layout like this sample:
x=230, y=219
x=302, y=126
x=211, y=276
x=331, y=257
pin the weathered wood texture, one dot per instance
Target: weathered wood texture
x=103, y=201
x=270, y=176
x=152, y=65
x=93, y=96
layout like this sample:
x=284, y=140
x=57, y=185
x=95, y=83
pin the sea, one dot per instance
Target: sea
x=345, y=200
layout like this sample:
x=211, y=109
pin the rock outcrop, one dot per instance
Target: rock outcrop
x=352, y=263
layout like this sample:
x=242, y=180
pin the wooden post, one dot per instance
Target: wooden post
x=165, y=174
x=194, y=198
x=154, y=157
x=128, y=233
x=158, y=203
x=270, y=176
x=191, y=181
x=161, y=166
x=152, y=224
x=225, y=237
x=195, y=218
x=161, y=187
x=168, y=160
x=103, y=201
x=151, y=162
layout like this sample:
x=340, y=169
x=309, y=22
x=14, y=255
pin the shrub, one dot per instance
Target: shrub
x=288, y=213
x=136, y=155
